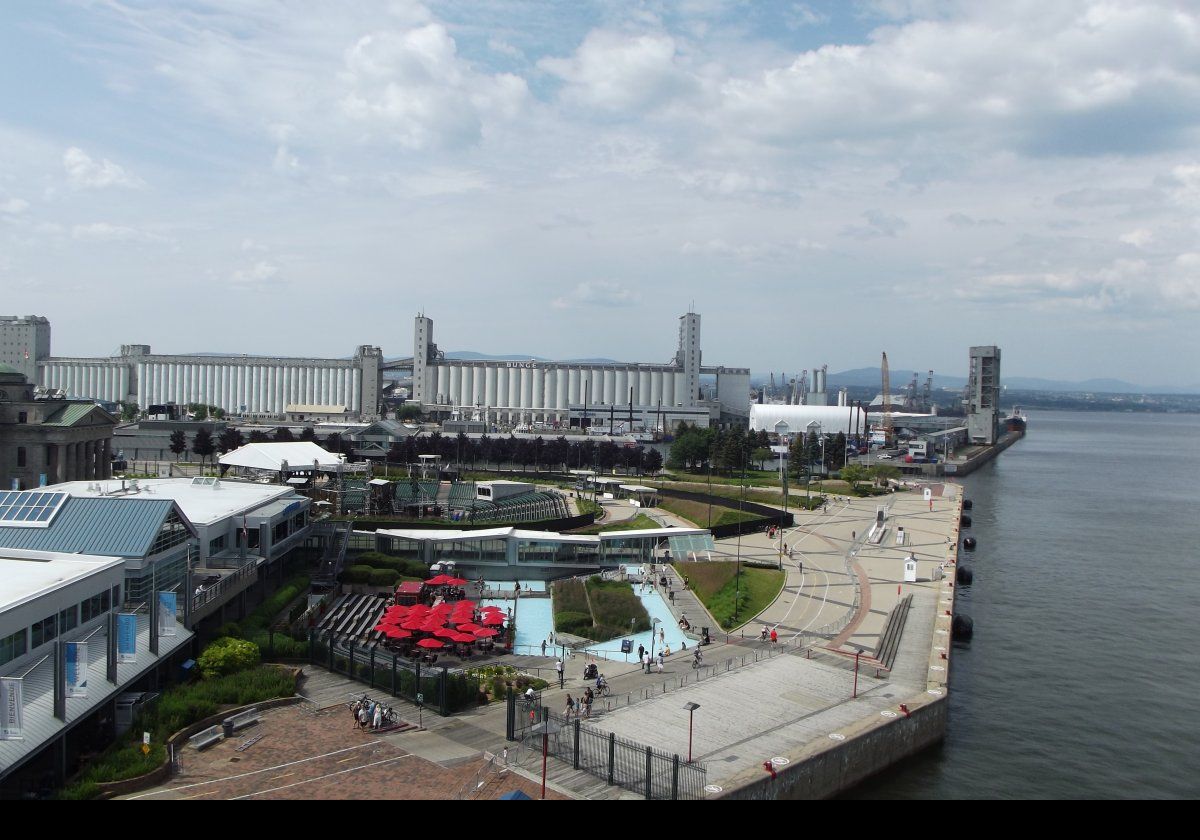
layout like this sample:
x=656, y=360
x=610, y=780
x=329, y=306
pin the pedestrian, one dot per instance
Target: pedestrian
x=662, y=635
x=558, y=666
x=853, y=536
x=364, y=718
x=543, y=647
x=641, y=652
x=646, y=661
x=377, y=718
x=774, y=636
x=355, y=707
x=671, y=595
x=570, y=707
x=660, y=662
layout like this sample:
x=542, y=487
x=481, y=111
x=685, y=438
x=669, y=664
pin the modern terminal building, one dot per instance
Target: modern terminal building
x=581, y=394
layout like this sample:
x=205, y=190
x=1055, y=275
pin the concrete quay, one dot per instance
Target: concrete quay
x=786, y=708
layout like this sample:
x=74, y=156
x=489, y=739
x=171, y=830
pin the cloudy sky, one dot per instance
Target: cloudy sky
x=822, y=181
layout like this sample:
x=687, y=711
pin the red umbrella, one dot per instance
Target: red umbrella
x=397, y=633
x=445, y=633
x=439, y=580
x=412, y=624
x=492, y=609
x=429, y=627
x=486, y=633
x=430, y=643
x=493, y=620
x=456, y=582
x=464, y=637
x=468, y=627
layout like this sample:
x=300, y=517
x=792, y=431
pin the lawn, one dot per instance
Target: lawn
x=698, y=512
x=638, y=523
x=601, y=612
x=716, y=586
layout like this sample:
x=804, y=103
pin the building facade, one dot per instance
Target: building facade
x=983, y=395
x=523, y=391
x=45, y=441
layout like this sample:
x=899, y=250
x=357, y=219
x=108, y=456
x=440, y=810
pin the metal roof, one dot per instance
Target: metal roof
x=40, y=725
x=109, y=526
x=73, y=412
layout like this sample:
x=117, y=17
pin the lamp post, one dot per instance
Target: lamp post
x=653, y=635
x=737, y=578
x=546, y=728
x=690, y=708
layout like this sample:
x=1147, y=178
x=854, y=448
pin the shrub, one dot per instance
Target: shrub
x=228, y=656
x=357, y=574
x=576, y=623
x=384, y=577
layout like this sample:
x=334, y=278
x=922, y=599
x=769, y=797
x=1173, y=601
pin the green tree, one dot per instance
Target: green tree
x=203, y=444
x=178, y=442
x=883, y=473
x=409, y=411
x=284, y=435
x=228, y=656
x=653, y=461
x=259, y=436
x=835, y=451
x=761, y=454
x=129, y=411
x=855, y=474
x=307, y=434
x=229, y=440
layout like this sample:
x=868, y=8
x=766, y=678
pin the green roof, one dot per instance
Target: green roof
x=71, y=413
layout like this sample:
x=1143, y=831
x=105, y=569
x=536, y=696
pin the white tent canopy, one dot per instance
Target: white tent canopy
x=271, y=457
x=795, y=419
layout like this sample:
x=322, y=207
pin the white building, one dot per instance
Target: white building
x=522, y=391
x=51, y=689
x=779, y=419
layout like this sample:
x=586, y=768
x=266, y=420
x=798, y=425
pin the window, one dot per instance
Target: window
x=68, y=619
x=22, y=416
x=12, y=647
x=96, y=606
x=20, y=456
x=216, y=546
x=45, y=630
x=173, y=533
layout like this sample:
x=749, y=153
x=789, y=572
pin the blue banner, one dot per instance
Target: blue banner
x=11, y=709
x=77, y=669
x=126, y=637
x=166, y=613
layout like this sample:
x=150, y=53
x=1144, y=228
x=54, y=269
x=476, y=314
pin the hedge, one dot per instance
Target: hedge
x=177, y=708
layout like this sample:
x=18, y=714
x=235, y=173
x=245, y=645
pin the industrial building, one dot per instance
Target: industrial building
x=982, y=401
x=779, y=419
x=581, y=394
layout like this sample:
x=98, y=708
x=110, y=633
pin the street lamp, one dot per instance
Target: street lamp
x=546, y=728
x=690, y=708
x=652, y=636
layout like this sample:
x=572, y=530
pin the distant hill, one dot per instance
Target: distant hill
x=870, y=377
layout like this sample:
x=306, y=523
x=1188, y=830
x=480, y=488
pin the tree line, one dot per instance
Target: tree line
x=557, y=454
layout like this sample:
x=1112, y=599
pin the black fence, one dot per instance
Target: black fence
x=618, y=761
x=564, y=524
x=765, y=516
x=439, y=688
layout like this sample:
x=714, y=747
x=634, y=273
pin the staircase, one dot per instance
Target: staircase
x=889, y=640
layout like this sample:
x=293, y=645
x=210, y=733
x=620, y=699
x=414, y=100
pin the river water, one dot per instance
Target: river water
x=1081, y=678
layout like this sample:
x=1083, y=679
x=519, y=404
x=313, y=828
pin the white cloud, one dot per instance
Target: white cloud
x=262, y=276
x=105, y=232
x=618, y=72
x=1139, y=238
x=83, y=171
x=602, y=293
x=14, y=206
x=879, y=223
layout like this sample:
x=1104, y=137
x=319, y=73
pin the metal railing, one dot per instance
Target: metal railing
x=233, y=582
x=618, y=761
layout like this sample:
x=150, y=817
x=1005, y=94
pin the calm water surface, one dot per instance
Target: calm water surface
x=1081, y=679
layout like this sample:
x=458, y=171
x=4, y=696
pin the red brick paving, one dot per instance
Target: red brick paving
x=305, y=755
